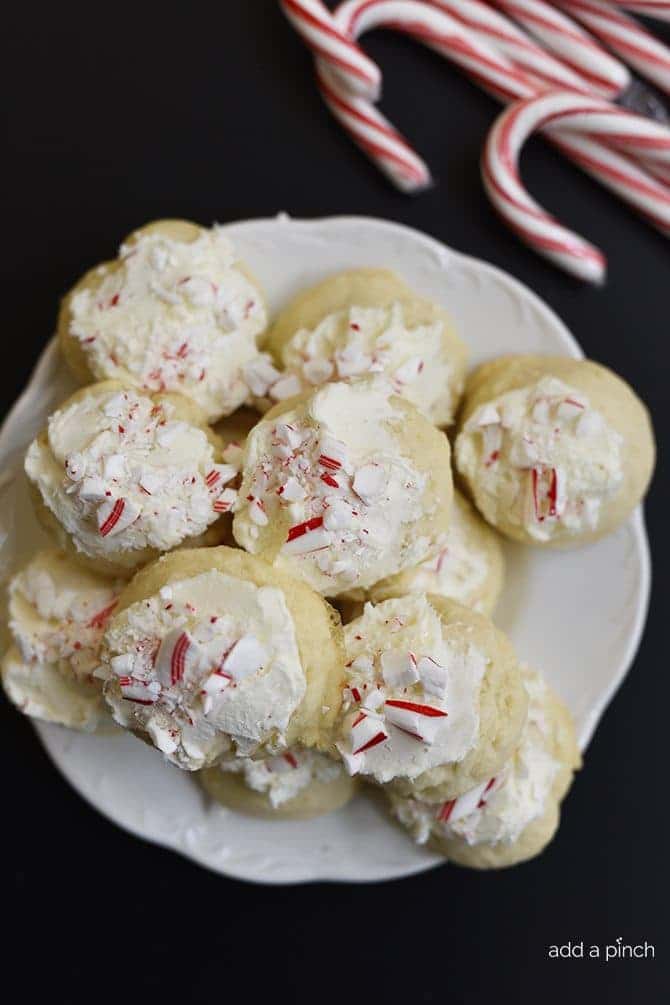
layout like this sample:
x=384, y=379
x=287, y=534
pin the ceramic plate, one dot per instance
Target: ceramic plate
x=576, y=615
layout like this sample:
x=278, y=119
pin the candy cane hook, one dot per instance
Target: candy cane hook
x=316, y=25
x=586, y=115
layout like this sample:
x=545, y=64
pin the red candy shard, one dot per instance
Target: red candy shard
x=113, y=517
x=302, y=528
x=412, y=706
x=178, y=661
x=377, y=738
x=446, y=811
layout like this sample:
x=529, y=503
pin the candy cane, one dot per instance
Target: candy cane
x=574, y=112
x=373, y=133
x=497, y=75
x=603, y=74
x=659, y=9
x=491, y=69
x=624, y=36
x=316, y=25
x=505, y=36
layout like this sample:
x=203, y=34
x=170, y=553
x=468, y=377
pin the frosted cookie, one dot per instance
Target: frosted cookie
x=512, y=816
x=369, y=321
x=554, y=451
x=57, y=615
x=175, y=311
x=468, y=568
x=433, y=700
x=295, y=785
x=344, y=486
x=121, y=475
x=214, y=653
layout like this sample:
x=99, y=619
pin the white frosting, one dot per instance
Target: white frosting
x=209, y=664
x=173, y=316
x=543, y=458
x=332, y=474
x=460, y=568
x=284, y=776
x=120, y=474
x=497, y=811
x=412, y=697
x=363, y=340
x=57, y=615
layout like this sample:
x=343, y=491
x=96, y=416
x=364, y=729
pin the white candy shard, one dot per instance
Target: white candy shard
x=318, y=371
x=488, y=415
x=399, y=670
x=313, y=540
x=246, y=657
x=286, y=387
x=369, y=483
x=292, y=490
x=433, y=676
x=260, y=375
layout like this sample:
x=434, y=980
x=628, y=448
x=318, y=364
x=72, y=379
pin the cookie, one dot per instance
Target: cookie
x=296, y=785
x=468, y=568
x=433, y=701
x=344, y=486
x=553, y=451
x=57, y=616
x=176, y=311
x=214, y=653
x=120, y=476
x=369, y=321
x=512, y=816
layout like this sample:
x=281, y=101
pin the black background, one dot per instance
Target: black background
x=123, y=114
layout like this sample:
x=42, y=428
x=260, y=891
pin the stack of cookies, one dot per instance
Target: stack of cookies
x=261, y=566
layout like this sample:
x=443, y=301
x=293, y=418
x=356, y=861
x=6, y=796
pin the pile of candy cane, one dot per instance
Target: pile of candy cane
x=553, y=75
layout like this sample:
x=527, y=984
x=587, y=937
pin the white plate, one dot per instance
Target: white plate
x=576, y=615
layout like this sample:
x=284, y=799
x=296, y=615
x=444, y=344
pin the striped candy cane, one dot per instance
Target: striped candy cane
x=576, y=113
x=507, y=38
x=316, y=25
x=603, y=74
x=369, y=129
x=497, y=74
x=625, y=36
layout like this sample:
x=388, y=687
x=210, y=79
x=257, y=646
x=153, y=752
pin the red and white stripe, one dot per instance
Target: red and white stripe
x=476, y=44
x=601, y=72
x=316, y=25
x=505, y=36
x=371, y=130
x=623, y=35
x=659, y=9
x=578, y=114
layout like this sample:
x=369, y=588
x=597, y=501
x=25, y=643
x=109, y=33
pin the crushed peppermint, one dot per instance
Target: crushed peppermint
x=360, y=341
x=543, y=456
x=346, y=514
x=415, y=693
x=173, y=316
x=135, y=476
x=218, y=664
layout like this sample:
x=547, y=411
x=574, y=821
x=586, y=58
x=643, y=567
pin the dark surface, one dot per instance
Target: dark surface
x=208, y=112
